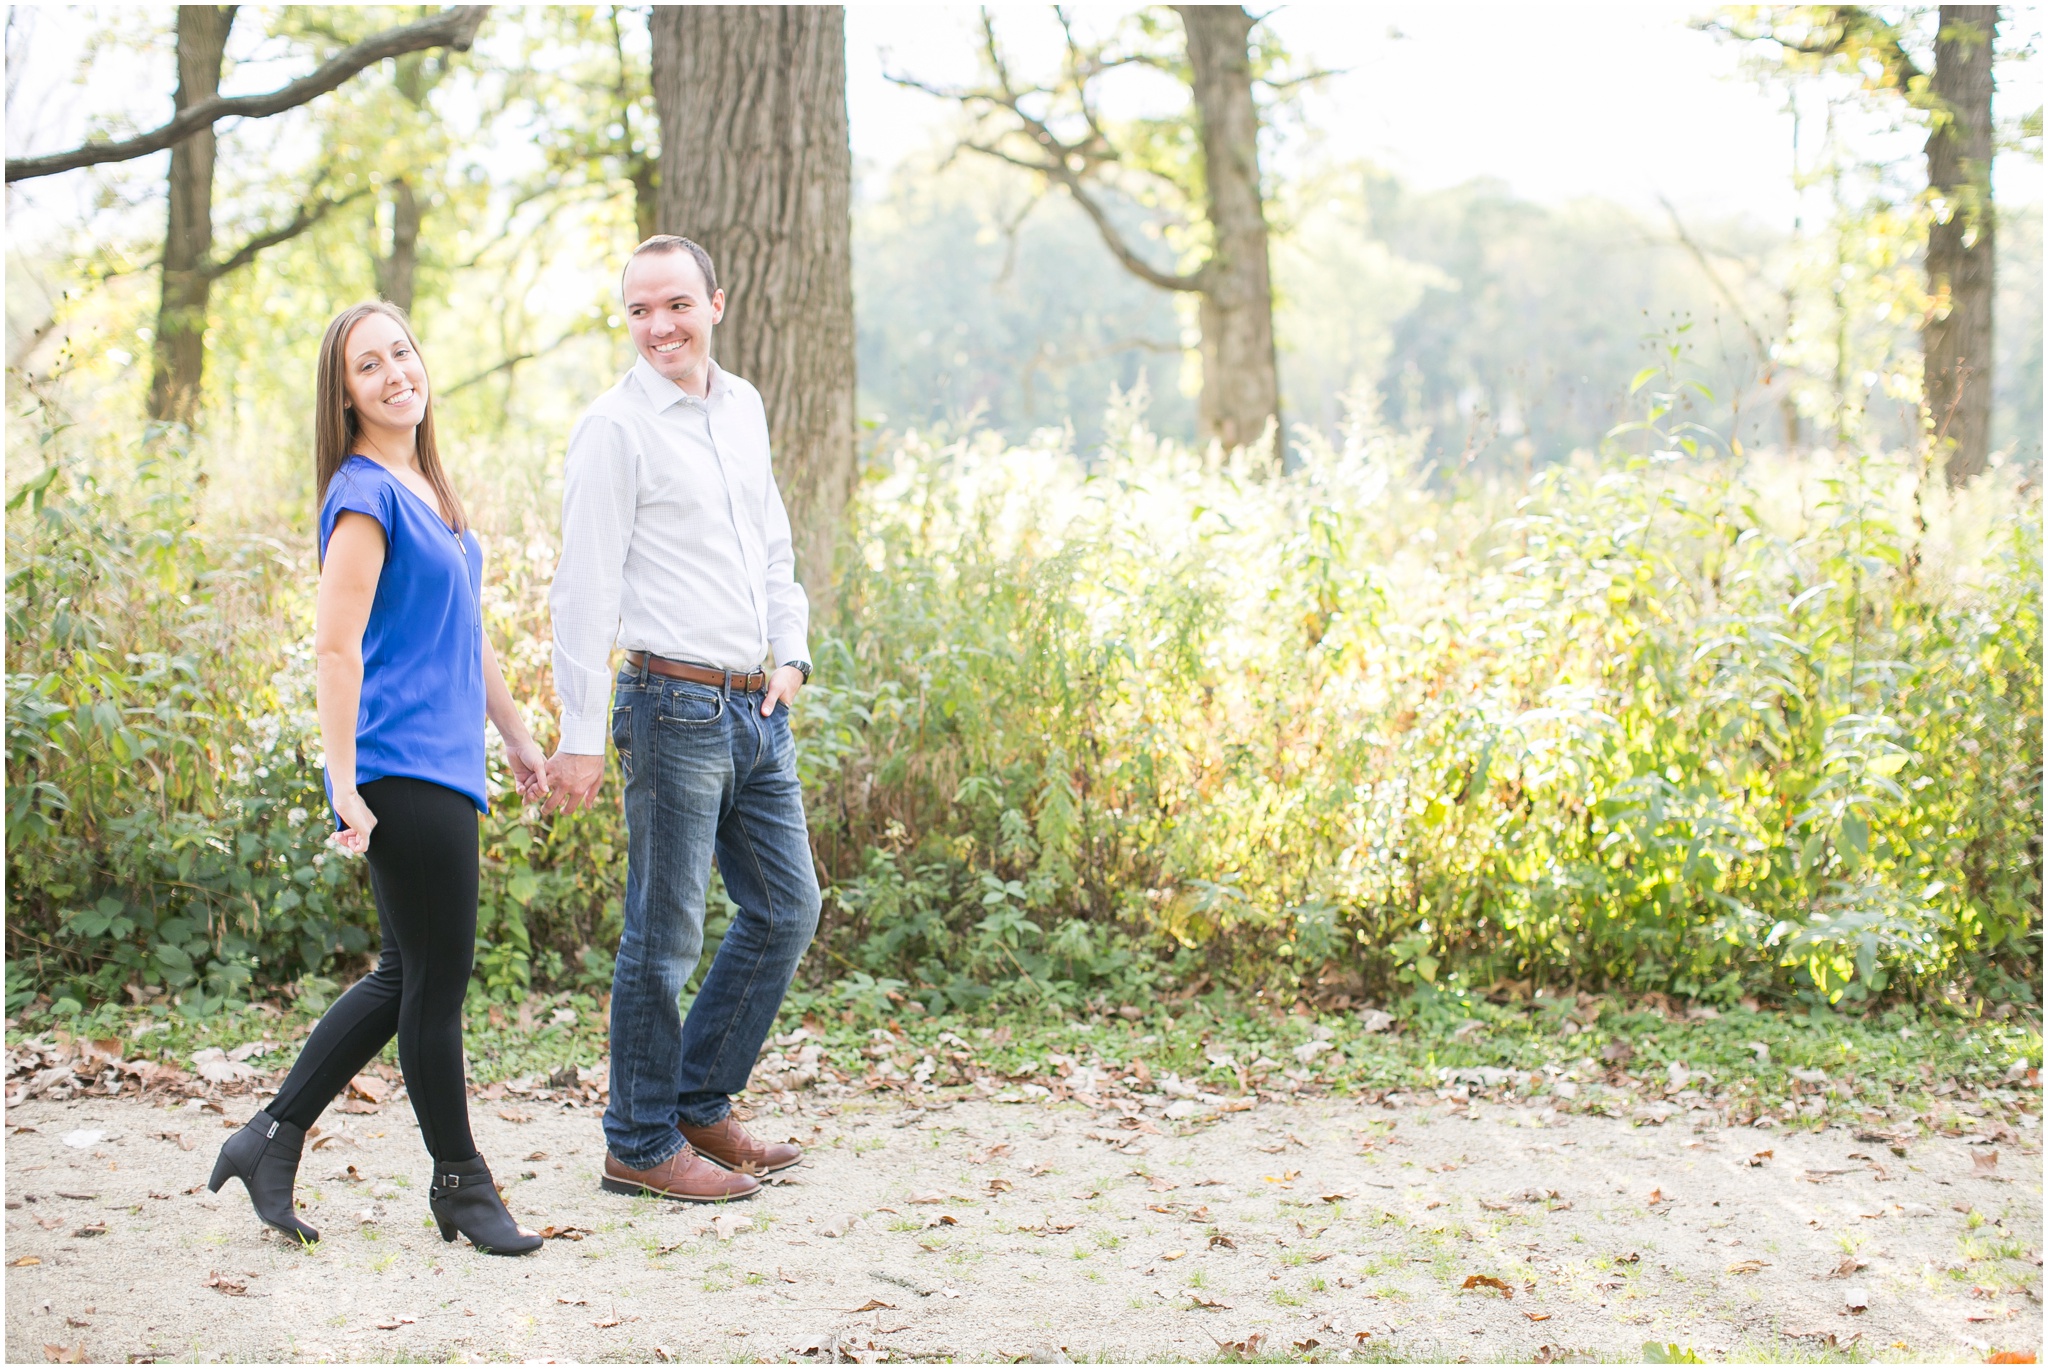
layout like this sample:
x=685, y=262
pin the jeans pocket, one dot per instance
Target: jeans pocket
x=622, y=738
x=692, y=706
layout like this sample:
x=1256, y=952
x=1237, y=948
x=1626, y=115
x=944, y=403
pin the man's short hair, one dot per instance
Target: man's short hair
x=669, y=242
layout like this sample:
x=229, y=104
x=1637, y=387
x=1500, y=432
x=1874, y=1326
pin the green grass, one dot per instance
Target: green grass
x=1869, y=1060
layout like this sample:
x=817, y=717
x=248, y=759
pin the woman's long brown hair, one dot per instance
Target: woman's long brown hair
x=334, y=422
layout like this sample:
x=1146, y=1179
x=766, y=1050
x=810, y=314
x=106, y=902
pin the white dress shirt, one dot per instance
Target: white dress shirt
x=674, y=541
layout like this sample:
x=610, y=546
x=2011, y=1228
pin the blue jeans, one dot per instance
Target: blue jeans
x=706, y=775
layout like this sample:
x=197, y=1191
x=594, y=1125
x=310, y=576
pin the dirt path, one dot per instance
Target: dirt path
x=983, y=1231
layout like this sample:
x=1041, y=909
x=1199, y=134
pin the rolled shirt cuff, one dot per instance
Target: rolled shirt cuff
x=789, y=649
x=584, y=736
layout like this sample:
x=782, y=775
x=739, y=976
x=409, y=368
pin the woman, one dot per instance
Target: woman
x=406, y=678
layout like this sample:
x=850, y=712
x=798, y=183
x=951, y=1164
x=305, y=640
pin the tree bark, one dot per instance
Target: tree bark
x=395, y=272
x=1240, y=372
x=1956, y=338
x=756, y=166
x=179, y=349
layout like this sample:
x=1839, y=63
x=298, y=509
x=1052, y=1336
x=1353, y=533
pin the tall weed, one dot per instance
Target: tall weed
x=1140, y=724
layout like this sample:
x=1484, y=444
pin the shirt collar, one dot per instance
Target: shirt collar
x=663, y=392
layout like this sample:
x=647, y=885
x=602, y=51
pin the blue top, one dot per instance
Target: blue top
x=422, y=713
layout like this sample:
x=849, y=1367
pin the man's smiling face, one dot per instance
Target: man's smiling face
x=670, y=315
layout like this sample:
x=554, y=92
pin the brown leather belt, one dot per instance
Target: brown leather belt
x=697, y=674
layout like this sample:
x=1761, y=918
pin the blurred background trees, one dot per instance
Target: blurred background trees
x=1612, y=622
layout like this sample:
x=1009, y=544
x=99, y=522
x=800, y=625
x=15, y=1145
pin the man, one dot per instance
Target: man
x=676, y=546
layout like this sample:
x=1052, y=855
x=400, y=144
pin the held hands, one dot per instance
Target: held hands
x=354, y=837
x=529, y=769
x=572, y=781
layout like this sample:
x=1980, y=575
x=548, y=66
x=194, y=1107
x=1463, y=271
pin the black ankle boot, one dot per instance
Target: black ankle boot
x=464, y=1199
x=264, y=1155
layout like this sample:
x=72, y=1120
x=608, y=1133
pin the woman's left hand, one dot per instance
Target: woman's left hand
x=529, y=770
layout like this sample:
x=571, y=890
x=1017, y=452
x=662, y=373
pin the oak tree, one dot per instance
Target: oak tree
x=756, y=167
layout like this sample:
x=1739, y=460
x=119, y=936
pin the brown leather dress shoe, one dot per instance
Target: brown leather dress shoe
x=683, y=1176
x=727, y=1143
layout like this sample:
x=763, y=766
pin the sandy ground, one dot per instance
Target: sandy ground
x=983, y=1231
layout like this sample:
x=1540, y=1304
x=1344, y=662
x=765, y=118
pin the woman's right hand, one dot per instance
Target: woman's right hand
x=354, y=838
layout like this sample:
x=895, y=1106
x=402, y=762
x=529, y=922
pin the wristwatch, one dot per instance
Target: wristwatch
x=803, y=666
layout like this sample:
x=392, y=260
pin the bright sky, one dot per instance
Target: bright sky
x=1627, y=101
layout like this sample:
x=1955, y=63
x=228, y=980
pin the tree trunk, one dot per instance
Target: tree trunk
x=1957, y=335
x=395, y=273
x=755, y=165
x=179, y=351
x=1240, y=374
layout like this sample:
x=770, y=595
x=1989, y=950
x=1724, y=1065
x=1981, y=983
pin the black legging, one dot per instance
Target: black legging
x=423, y=871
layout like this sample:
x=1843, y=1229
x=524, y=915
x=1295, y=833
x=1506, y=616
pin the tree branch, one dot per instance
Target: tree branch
x=453, y=28
x=516, y=359
x=1056, y=158
x=305, y=218
x=1699, y=255
x=1194, y=281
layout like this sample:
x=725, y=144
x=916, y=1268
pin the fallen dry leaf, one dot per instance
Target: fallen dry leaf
x=874, y=1305
x=1537, y=1316
x=1219, y=1239
x=1284, y=1180
x=234, y=1288
x=1488, y=1281
x=1248, y=1346
x=564, y=1233
x=729, y=1225
x=24, y=1262
x=573, y=1302
x=1303, y=1345
x=393, y=1323
x=996, y=1186
x=62, y=1354
x=1748, y=1266
x=932, y=1197
x=510, y=1116
x=1199, y=1301
x=369, y=1088
x=91, y=1229
x=1337, y=1197
x=1984, y=1161
x=538, y=1155
x=1173, y=1254
x=1757, y=1159
x=1849, y=1265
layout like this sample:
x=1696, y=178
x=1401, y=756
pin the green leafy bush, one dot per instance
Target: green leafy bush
x=1113, y=728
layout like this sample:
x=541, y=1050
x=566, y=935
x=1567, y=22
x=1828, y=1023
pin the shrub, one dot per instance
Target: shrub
x=1138, y=724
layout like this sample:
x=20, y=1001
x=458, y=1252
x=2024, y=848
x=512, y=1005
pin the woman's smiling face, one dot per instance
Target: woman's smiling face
x=386, y=380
